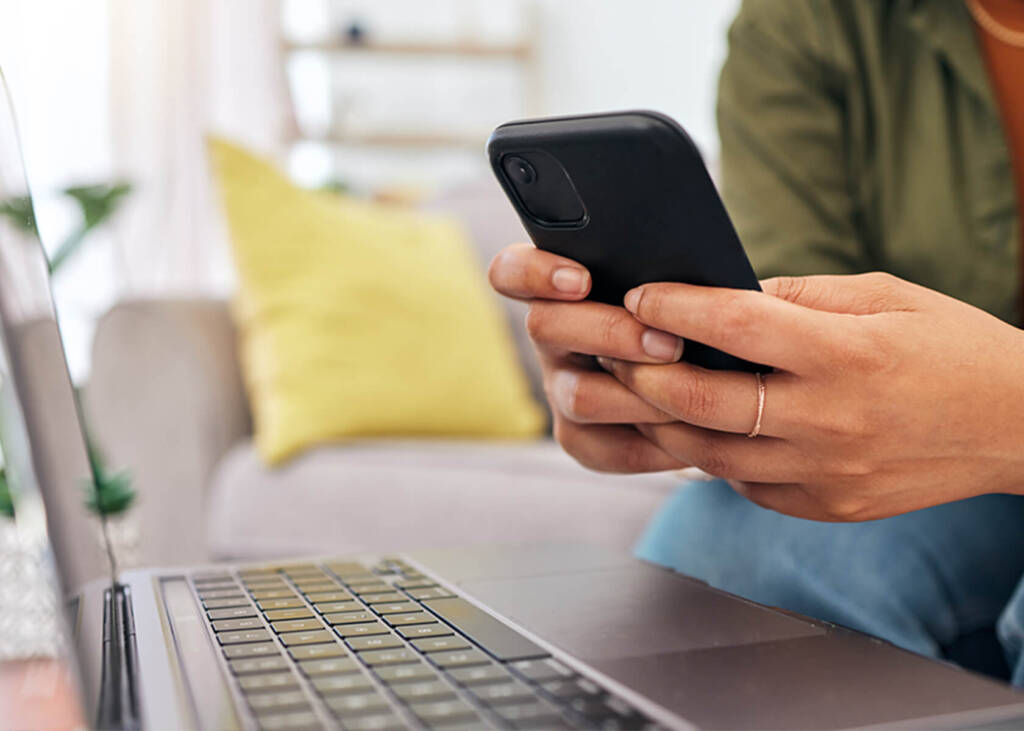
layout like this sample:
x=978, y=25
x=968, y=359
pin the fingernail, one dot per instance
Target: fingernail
x=606, y=362
x=661, y=345
x=563, y=389
x=632, y=300
x=570, y=280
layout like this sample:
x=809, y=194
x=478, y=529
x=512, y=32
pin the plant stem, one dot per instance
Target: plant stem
x=109, y=545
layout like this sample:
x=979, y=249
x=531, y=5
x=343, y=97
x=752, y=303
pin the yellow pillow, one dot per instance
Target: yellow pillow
x=362, y=319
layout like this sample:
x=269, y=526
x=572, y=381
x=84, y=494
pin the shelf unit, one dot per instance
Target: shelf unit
x=522, y=55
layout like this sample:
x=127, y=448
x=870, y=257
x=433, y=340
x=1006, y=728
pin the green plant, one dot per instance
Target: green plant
x=106, y=494
x=6, y=503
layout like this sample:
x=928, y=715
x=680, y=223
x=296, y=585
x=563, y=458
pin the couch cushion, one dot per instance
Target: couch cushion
x=390, y=496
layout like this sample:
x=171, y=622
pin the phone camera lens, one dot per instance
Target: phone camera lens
x=520, y=170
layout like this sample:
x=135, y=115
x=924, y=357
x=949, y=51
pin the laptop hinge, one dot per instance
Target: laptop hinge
x=118, y=703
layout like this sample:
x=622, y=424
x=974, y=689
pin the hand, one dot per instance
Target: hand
x=593, y=413
x=888, y=397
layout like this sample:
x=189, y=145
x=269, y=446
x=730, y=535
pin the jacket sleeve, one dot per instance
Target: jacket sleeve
x=786, y=172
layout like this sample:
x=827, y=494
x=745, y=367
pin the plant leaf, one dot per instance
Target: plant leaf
x=98, y=202
x=20, y=212
x=107, y=494
x=6, y=501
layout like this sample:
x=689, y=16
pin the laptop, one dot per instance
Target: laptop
x=530, y=636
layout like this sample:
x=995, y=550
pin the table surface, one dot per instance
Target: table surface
x=38, y=694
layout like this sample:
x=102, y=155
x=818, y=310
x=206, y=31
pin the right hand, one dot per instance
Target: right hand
x=593, y=413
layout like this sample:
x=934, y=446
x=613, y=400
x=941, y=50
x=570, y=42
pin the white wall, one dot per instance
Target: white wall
x=656, y=54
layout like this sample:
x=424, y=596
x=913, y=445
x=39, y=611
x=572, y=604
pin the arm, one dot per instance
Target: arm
x=788, y=179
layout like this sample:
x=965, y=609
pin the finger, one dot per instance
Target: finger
x=861, y=294
x=594, y=328
x=726, y=401
x=607, y=448
x=746, y=323
x=594, y=397
x=731, y=456
x=523, y=271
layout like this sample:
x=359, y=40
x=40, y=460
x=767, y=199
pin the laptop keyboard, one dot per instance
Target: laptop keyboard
x=382, y=647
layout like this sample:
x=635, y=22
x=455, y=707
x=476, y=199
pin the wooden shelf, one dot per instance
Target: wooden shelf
x=476, y=50
x=397, y=139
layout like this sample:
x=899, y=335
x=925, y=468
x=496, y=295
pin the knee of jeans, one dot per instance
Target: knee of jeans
x=709, y=532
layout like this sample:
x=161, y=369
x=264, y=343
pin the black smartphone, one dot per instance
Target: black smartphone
x=627, y=195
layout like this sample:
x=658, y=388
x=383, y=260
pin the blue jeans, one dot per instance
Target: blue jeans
x=921, y=580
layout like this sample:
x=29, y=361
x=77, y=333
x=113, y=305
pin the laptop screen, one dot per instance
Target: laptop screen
x=46, y=461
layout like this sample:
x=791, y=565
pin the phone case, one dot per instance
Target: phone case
x=650, y=210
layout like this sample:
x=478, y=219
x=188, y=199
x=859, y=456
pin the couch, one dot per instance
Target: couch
x=165, y=401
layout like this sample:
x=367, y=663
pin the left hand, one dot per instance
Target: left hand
x=887, y=397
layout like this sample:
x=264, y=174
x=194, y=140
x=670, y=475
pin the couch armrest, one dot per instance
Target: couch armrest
x=164, y=401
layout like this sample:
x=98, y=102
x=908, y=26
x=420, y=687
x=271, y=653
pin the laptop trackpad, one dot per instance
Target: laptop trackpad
x=631, y=610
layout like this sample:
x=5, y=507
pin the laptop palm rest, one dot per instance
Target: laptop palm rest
x=712, y=658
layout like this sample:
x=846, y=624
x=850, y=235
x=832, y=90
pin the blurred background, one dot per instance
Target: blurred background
x=390, y=98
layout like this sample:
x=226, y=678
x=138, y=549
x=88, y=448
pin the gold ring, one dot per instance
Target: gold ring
x=760, y=406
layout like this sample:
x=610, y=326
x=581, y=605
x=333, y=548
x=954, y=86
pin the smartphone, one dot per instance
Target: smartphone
x=627, y=195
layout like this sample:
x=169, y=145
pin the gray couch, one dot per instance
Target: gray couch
x=165, y=400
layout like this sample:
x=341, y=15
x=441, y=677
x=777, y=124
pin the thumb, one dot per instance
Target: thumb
x=855, y=294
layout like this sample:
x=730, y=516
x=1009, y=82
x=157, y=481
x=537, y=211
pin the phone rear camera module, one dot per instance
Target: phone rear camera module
x=520, y=170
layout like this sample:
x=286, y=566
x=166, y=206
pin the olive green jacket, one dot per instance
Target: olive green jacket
x=863, y=135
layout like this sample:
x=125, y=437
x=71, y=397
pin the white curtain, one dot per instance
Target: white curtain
x=178, y=71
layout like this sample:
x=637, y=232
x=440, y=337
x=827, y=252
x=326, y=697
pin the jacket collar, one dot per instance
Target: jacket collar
x=947, y=26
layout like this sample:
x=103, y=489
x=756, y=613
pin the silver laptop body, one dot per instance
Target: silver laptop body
x=532, y=636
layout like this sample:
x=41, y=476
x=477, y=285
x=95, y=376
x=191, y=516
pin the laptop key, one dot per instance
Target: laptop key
x=239, y=601
x=315, y=637
x=287, y=699
x=374, y=642
x=540, y=671
x=255, y=649
x=388, y=657
x=480, y=675
x=212, y=577
x=459, y=658
x=375, y=722
x=273, y=594
x=497, y=694
x=300, y=721
x=297, y=625
x=341, y=684
x=396, y=608
x=440, y=644
x=349, y=618
x=333, y=607
x=268, y=682
x=246, y=635
x=357, y=705
x=385, y=597
x=229, y=625
x=420, y=582
x=567, y=690
x=332, y=666
x=329, y=596
x=443, y=712
x=398, y=620
x=280, y=603
x=356, y=630
x=276, y=614
x=258, y=665
x=498, y=639
x=394, y=674
x=316, y=652
x=316, y=588
x=433, y=690
x=377, y=587
x=435, y=592
x=531, y=714
x=424, y=630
